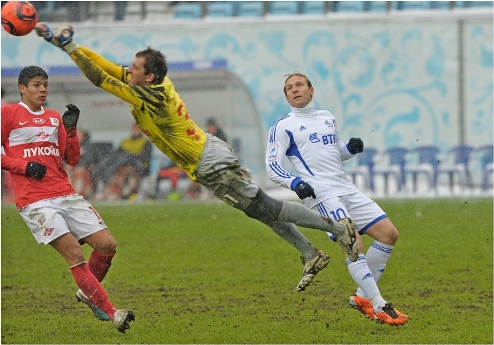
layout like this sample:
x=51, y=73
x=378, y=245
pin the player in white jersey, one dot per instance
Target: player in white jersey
x=36, y=142
x=309, y=139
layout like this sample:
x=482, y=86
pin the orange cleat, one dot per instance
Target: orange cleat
x=391, y=316
x=363, y=305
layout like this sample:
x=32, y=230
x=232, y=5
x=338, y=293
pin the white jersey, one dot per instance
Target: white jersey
x=312, y=144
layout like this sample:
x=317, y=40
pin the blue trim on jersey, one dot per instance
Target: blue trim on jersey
x=364, y=229
x=293, y=151
x=295, y=182
x=272, y=131
x=278, y=170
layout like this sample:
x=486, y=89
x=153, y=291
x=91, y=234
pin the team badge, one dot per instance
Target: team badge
x=273, y=152
x=54, y=121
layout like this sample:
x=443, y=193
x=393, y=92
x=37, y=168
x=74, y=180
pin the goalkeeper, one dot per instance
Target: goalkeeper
x=162, y=115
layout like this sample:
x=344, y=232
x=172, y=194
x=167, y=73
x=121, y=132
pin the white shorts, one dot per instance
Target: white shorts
x=51, y=218
x=363, y=210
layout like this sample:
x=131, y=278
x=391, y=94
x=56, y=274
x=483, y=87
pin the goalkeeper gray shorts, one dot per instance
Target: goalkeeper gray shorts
x=219, y=171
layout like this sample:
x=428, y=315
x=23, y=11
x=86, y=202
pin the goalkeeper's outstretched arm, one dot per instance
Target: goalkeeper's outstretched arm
x=100, y=71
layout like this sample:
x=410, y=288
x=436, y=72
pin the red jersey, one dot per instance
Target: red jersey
x=29, y=136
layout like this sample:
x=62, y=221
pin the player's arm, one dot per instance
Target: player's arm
x=15, y=165
x=99, y=77
x=101, y=73
x=67, y=136
x=116, y=71
x=278, y=142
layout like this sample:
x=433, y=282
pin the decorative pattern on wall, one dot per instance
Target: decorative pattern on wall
x=394, y=82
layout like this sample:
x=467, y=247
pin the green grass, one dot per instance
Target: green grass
x=206, y=273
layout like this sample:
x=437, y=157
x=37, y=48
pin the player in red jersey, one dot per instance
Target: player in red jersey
x=36, y=142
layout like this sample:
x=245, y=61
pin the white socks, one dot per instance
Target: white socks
x=377, y=257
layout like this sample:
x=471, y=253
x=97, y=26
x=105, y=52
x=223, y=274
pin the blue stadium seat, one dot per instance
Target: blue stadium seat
x=220, y=9
x=441, y=5
x=487, y=167
x=412, y=5
x=456, y=162
x=392, y=164
x=188, y=10
x=313, y=7
x=364, y=167
x=283, y=8
x=349, y=6
x=376, y=6
x=250, y=9
x=473, y=4
x=423, y=160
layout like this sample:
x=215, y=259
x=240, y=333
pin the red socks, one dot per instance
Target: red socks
x=92, y=288
x=99, y=264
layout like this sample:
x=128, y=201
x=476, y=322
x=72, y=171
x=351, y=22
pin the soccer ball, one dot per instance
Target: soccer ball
x=19, y=17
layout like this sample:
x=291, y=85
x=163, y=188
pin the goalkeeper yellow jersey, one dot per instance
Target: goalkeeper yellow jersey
x=158, y=109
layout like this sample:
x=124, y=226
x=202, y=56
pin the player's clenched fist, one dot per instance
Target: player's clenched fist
x=36, y=170
x=304, y=190
x=355, y=145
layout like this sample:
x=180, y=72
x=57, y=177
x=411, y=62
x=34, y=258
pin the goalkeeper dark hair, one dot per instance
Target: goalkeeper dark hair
x=30, y=72
x=155, y=63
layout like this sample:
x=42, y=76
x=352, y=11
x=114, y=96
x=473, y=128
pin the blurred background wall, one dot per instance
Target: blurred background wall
x=393, y=78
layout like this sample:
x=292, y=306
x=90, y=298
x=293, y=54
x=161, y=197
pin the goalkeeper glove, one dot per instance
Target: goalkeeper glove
x=70, y=118
x=355, y=145
x=304, y=190
x=62, y=38
x=36, y=170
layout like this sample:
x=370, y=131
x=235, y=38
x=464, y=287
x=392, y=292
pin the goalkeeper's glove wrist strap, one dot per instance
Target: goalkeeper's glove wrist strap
x=70, y=48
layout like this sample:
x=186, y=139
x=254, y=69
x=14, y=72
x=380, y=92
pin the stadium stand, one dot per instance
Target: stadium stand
x=411, y=5
x=188, y=10
x=313, y=7
x=283, y=8
x=376, y=6
x=487, y=167
x=250, y=8
x=391, y=163
x=219, y=9
x=456, y=163
x=348, y=6
x=123, y=11
x=423, y=160
x=364, y=168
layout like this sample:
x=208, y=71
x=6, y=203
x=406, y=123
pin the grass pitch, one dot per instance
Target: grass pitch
x=206, y=273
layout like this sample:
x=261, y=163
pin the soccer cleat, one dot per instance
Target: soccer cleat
x=363, y=305
x=311, y=268
x=122, y=318
x=349, y=242
x=100, y=314
x=391, y=316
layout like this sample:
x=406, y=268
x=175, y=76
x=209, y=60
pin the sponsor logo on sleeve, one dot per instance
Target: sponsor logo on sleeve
x=273, y=152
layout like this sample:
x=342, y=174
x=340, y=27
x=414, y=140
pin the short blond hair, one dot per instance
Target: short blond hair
x=296, y=74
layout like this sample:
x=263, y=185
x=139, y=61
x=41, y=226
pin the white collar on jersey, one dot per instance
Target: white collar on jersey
x=41, y=112
x=308, y=110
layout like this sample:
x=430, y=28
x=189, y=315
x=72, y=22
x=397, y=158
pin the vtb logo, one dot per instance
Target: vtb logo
x=328, y=139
